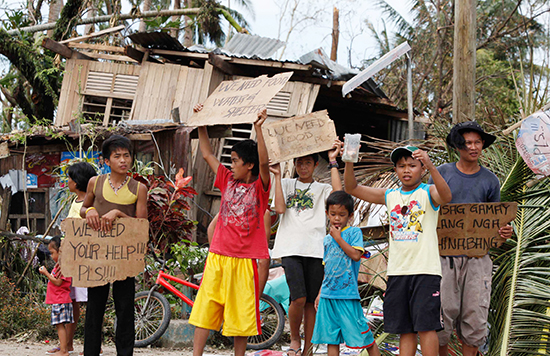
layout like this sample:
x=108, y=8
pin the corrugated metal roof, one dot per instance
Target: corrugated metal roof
x=257, y=48
x=319, y=59
x=249, y=45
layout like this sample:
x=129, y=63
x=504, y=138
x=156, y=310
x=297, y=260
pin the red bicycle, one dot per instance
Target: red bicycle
x=152, y=312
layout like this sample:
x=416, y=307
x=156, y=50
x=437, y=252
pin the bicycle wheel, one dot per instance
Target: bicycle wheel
x=150, y=321
x=272, y=318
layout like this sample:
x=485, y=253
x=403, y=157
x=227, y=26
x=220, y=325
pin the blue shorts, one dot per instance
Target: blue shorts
x=62, y=314
x=342, y=320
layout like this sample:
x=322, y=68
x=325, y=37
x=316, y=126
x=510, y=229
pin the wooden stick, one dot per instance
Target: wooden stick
x=95, y=34
x=96, y=47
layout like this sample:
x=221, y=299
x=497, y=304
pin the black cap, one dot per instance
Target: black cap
x=399, y=152
x=455, y=139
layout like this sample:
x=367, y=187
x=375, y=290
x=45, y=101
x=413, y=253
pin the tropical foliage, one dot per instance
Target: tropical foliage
x=508, y=32
x=167, y=207
x=30, y=88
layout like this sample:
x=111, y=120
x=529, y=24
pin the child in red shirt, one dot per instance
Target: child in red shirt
x=229, y=291
x=58, y=295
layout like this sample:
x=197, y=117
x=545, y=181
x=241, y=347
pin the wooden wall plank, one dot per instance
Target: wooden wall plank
x=63, y=96
x=180, y=92
x=155, y=90
x=138, y=101
x=78, y=83
x=313, y=93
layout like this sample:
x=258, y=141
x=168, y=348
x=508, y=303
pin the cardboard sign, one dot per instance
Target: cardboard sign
x=533, y=142
x=238, y=101
x=472, y=229
x=94, y=258
x=299, y=136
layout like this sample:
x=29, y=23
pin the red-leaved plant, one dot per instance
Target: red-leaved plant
x=167, y=208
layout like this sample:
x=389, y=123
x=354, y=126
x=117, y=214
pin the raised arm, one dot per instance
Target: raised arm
x=333, y=165
x=372, y=195
x=349, y=250
x=280, y=204
x=56, y=281
x=262, y=149
x=204, y=143
x=440, y=191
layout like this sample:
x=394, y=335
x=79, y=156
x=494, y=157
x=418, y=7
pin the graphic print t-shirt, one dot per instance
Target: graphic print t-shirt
x=302, y=227
x=341, y=272
x=413, y=238
x=240, y=230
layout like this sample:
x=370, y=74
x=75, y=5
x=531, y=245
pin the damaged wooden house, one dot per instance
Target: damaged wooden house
x=148, y=88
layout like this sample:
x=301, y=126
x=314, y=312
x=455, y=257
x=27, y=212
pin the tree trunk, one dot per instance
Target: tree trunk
x=67, y=21
x=335, y=34
x=175, y=32
x=53, y=13
x=188, y=29
x=146, y=7
x=91, y=13
x=30, y=64
x=464, y=61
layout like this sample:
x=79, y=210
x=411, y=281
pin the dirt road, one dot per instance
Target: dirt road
x=12, y=348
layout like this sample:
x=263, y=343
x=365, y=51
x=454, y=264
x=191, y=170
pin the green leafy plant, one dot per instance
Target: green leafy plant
x=22, y=312
x=189, y=256
x=167, y=208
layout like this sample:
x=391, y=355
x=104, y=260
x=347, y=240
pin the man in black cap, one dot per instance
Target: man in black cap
x=466, y=282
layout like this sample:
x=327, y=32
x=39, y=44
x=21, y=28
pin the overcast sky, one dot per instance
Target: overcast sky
x=353, y=32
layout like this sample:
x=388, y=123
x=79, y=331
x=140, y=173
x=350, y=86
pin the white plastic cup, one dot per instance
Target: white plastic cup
x=352, y=144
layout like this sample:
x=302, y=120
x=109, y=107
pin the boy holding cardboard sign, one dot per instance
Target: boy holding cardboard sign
x=412, y=303
x=229, y=291
x=108, y=197
x=299, y=239
x=466, y=283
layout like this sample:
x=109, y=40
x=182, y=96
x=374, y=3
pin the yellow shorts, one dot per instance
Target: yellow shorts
x=229, y=294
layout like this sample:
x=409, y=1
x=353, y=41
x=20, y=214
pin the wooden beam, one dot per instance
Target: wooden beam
x=140, y=137
x=95, y=34
x=272, y=64
x=221, y=64
x=397, y=114
x=96, y=47
x=138, y=55
x=194, y=55
x=112, y=57
x=57, y=47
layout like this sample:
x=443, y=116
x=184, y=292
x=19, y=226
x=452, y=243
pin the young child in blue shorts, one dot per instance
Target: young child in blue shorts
x=229, y=290
x=412, y=303
x=340, y=317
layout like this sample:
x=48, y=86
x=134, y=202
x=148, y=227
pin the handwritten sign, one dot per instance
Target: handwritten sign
x=472, y=229
x=299, y=136
x=533, y=142
x=94, y=258
x=238, y=101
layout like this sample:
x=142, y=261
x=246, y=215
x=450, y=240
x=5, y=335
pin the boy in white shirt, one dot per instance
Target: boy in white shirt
x=299, y=239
